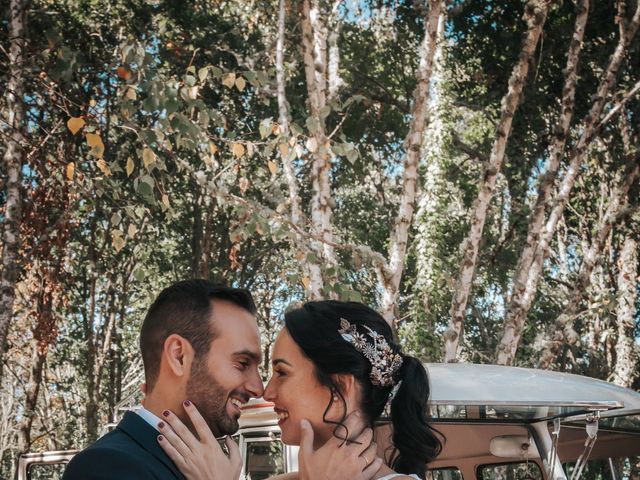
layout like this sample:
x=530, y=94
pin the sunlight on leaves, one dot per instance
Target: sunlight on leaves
x=148, y=157
x=238, y=150
x=71, y=168
x=75, y=124
x=229, y=80
x=95, y=142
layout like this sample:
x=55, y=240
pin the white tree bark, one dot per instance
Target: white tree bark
x=505, y=352
x=534, y=16
x=625, y=372
x=309, y=269
x=516, y=311
x=335, y=81
x=314, y=44
x=13, y=160
x=563, y=328
x=390, y=277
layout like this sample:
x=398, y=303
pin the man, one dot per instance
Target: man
x=200, y=343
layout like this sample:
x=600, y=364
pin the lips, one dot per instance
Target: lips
x=283, y=415
x=236, y=403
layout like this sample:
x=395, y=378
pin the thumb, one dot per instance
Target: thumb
x=306, y=437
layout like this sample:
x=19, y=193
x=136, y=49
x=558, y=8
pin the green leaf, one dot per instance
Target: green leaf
x=203, y=73
x=325, y=111
x=138, y=274
x=145, y=187
x=171, y=105
x=352, y=155
x=265, y=128
x=313, y=125
x=295, y=129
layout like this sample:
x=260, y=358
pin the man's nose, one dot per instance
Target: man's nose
x=255, y=386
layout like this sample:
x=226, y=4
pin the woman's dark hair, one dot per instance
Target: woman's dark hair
x=315, y=329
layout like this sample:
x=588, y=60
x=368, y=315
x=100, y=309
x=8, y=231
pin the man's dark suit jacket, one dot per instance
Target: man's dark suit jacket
x=131, y=451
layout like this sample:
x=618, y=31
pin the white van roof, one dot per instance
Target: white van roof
x=502, y=392
x=490, y=393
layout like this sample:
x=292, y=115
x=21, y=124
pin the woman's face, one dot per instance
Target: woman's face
x=297, y=393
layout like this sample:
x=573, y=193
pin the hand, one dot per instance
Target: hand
x=198, y=459
x=353, y=459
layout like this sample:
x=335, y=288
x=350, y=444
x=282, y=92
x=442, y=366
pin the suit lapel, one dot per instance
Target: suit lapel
x=146, y=436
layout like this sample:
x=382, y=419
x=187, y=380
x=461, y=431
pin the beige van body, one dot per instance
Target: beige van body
x=498, y=423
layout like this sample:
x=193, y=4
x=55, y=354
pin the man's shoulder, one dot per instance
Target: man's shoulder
x=114, y=440
x=113, y=456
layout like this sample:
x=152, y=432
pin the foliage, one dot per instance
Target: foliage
x=155, y=154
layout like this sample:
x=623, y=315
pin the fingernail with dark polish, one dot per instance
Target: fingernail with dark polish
x=161, y=425
x=160, y=438
x=165, y=413
x=187, y=403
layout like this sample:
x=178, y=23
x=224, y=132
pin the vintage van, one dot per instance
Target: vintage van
x=499, y=423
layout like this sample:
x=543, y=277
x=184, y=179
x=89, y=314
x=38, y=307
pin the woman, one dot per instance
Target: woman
x=343, y=357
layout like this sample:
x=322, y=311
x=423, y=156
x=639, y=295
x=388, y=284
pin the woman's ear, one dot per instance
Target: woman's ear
x=178, y=354
x=346, y=384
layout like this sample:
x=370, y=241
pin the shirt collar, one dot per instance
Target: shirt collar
x=149, y=417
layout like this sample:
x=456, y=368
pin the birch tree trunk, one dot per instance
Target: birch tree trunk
x=534, y=16
x=314, y=45
x=625, y=372
x=563, y=328
x=390, y=277
x=516, y=311
x=520, y=306
x=310, y=270
x=13, y=160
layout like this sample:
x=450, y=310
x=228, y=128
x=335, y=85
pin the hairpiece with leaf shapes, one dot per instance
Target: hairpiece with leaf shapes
x=385, y=363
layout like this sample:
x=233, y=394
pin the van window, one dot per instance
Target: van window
x=45, y=471
x=621, y=468
x=451, y=473
x=264, y=459
x=510, y=471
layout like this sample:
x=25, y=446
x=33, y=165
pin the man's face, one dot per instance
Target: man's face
x=227, y=376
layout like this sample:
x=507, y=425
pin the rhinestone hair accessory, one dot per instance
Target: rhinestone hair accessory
x=384, y=361
x=392, y=395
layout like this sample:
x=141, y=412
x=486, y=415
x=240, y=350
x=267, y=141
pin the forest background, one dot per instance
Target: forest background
x=468, y=167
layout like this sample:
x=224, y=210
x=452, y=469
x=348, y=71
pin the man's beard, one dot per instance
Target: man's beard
x=210, y=398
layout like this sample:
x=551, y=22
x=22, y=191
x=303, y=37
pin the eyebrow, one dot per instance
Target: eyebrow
x=276, y=361
x=248, y=353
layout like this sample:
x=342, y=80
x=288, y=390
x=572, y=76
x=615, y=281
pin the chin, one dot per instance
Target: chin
x=290, y=438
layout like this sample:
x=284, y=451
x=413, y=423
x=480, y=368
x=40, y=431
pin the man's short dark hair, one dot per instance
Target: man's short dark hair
x=184, y=308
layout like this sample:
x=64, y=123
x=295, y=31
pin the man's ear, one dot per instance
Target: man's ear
x=178, y=354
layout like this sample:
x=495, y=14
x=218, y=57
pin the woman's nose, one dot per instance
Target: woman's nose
x=269, y=393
